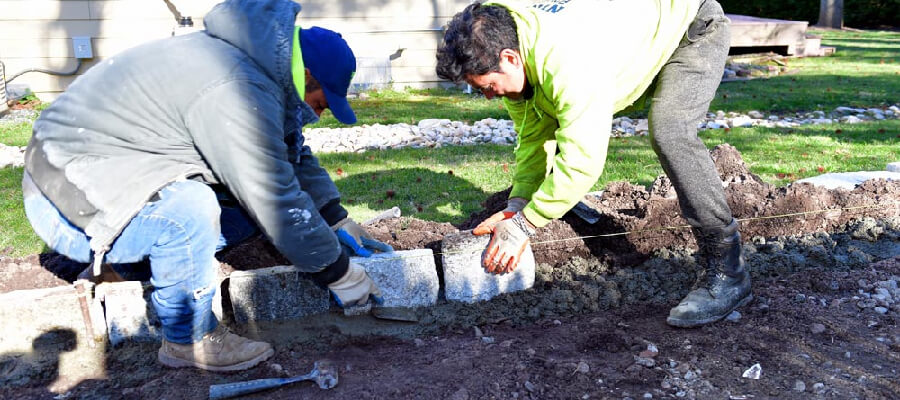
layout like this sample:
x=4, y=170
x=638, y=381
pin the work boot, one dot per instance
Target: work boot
x=219, y=350
x=723, y=285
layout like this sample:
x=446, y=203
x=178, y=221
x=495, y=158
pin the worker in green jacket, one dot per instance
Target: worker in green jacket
x=563, y=68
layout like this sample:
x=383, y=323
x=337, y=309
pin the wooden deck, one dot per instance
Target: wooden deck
x=782, y=36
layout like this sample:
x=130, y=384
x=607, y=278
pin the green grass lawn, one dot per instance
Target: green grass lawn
x=449, y=183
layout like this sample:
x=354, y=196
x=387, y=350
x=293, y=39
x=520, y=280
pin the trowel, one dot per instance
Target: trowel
x=586, y=213
x=403, y=314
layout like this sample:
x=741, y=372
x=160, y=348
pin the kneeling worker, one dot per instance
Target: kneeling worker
x=178, y=148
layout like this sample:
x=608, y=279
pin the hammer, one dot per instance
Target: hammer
x=324, y=373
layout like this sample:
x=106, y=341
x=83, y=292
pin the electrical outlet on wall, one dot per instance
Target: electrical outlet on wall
x=82, y=45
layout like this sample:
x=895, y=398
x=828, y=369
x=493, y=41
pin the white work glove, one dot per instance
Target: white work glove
x=509, y=238
x=357, y=241
x=355, y=288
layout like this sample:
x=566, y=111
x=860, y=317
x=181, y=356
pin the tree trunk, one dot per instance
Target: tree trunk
x=831, y=14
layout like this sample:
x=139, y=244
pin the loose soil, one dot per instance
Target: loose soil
x=818, y=326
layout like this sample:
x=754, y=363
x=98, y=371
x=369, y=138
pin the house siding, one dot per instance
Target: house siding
x=38, y=33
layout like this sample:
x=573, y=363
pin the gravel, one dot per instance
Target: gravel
x=444, y=132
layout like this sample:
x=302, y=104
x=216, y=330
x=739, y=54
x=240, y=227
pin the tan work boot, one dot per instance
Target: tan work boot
x=219, y=350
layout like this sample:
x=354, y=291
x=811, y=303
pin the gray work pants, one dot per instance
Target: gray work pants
x=685, y=86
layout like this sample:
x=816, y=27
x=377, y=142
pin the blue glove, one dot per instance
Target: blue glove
x=359, y=242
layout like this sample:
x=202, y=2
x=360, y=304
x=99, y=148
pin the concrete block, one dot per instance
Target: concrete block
x=893, y=167
x=407, y=278
x=276, y=293
x=44, y=329
x=129, y=313
x=466, y=280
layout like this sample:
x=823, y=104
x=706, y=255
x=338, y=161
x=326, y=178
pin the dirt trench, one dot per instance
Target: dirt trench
x=586, y=329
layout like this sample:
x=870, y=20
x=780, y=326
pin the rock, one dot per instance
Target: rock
x=277, y=368
x=735, y=316
x=817, y=328
x=466, y=280
x=868, y=303
x=848, y=110
x=741, y=122
x=461, y=394
x=754, y=372
x=799, y=386
x=880, y=310
x=529, y=386
x=275, y=293
x=643, y=361
x=440, y=132
x=406, y=278
x=129, y=313
x=652, y=351
x=583, y=368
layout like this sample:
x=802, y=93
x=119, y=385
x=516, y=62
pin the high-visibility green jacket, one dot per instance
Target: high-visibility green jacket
x=586, y=59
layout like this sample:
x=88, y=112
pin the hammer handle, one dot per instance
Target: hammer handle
x=234, y=389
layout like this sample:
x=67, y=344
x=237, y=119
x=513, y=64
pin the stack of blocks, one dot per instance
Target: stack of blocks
x=406, y=278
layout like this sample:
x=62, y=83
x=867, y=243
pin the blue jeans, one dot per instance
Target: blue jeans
x=179, y=232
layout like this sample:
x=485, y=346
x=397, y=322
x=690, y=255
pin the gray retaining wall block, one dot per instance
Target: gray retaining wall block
x=44, y=328
x=893, y=167
x=275, y=293
x=466, y=280
x=129, y=313
x=407, y=278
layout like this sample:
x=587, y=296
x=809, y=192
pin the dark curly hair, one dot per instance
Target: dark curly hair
x=473, y=40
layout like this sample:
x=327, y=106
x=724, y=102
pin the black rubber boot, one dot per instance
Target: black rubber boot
x=723, y=286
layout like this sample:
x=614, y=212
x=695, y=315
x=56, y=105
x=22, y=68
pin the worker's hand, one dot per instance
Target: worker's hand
x=513, y=205
x=508, y=242
x=355, y=238
x=355, y=288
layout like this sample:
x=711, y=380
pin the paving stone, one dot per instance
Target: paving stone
x=46, y=328
x=466, y=280
x=406, y=278
x=129, y=313
x=848, y=180
x=276, y=293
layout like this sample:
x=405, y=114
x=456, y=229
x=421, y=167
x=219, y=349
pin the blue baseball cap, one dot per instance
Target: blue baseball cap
x=332, y=63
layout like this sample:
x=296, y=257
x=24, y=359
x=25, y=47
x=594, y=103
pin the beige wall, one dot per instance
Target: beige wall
x=37, y=33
